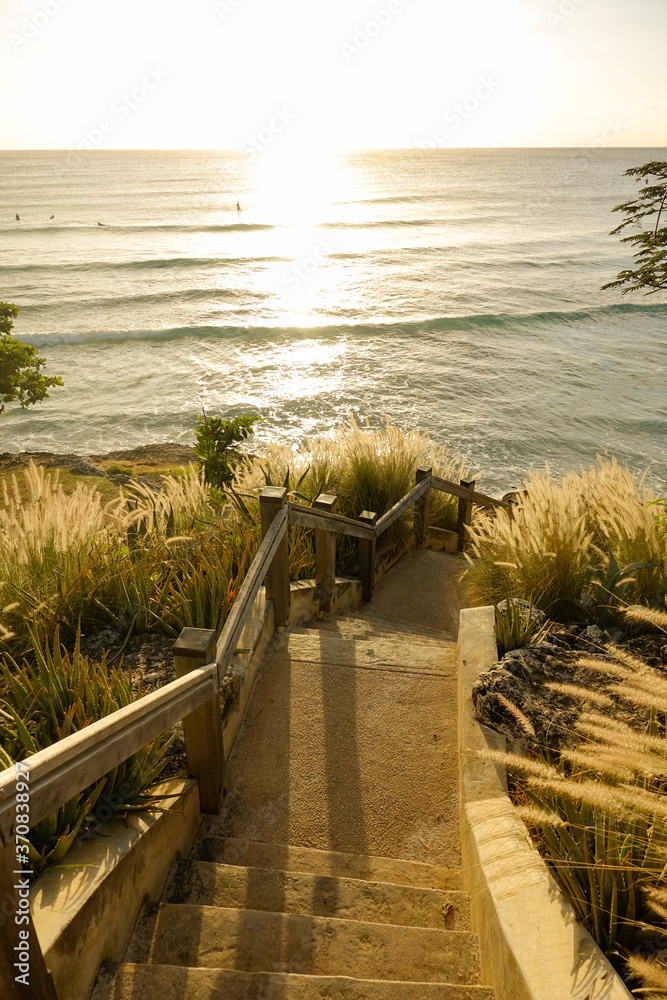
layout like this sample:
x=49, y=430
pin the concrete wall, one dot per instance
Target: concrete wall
x=532, y=946
x=85, y=911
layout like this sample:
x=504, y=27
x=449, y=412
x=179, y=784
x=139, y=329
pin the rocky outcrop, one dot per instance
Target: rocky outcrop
x=518, y=686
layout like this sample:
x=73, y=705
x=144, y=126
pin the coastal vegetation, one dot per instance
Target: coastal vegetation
x=142, y=557
x=155, y=560
x=596, y=807
x=650, y=271
x=580, y=546
x=20, y=366
x=588, y=552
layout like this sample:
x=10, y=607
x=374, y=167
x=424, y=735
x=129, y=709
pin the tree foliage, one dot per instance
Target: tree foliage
x=215, y=446
x=20, y=366
x=650, y=273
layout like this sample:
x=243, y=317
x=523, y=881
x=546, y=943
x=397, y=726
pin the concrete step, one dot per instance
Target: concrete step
x=206, y=884
x=402, y=654
x=148, y=982
x=366, y=630
x=253, y=941
x=398, y=624
x=250, y=854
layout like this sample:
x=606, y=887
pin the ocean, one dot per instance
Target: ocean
x=453, y=290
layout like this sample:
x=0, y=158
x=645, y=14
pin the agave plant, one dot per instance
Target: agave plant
x=518, y=625
x=603, y=864
x=60, y=695
x=608, y=587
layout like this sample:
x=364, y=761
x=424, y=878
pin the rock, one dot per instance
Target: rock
x=84, y=467
x=521, y=678
x=536, y=615
x=595, y=637
x=514, y=496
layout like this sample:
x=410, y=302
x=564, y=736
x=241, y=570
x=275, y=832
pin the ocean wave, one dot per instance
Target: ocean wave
x=158, y=297
x=149, y=227
x=162, y=263
x=501, y=321
x=233, y=227
x=380, y=224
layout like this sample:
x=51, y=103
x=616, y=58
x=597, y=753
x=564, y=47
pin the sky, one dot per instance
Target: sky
x=335, y=74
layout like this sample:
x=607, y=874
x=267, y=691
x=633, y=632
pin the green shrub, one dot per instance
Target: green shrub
x=215, y=446
x=119, y=470
x=60, y=695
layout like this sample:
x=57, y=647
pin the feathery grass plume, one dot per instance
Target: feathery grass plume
x=560, y=528
x=614, y=733
x=534, y=816
x=657, y=899
x=581, y=693
x=523, y=765
x=366, y=468
x=639, y=696
x=651, y=973
x=47, y=541
x=652, y=616
x=597, y=666
x=606, y=763
x=621, y=520
x=635, y=663
x=613, y=847
x=517, y=714
x=546, y=539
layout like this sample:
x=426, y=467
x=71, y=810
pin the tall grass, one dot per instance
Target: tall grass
x=598, y=812
x=560, y=528
x=46, y=545
x=368, y=469
x=158, y=560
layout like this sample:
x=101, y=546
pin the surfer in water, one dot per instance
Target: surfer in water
x=53, y=216
x=18, y=217
x=101, y=224
x=238, y=207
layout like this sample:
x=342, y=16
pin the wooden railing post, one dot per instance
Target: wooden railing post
x=20, y=953
x=367, y=557
x=465, y=514
x=422, y=507
x=271, y=499
x=196, y=647
x=325, y=555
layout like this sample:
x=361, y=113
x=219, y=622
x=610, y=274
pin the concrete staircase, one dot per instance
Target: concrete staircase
x=333, y=871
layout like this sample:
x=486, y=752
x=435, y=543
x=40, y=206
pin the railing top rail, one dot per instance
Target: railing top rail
x=415, y=494
x=62, y=770
x=456, y=490
x=311, y=517
x=229, y=636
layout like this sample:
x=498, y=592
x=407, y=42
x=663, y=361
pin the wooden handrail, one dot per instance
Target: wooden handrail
x=321, y=520
x=65, y=768
x=444, y=486
x=230, y=634
x=415, y=494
